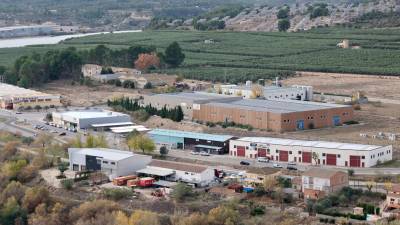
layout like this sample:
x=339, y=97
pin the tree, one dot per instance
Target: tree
x=138, y=217
x=27, y=140
x=388, y=186
x=223, y=215
x=9, y=150
x=43, y=139
x=163, y=151
x=91, y=210
x=34, y=197
x=181, y=192
x=350, y=172
x=141, y=142
x=283, y=25
x=173, y=55
x=315, y=157
x=257, y=91
x=62, y=167
x=11, y=212
x=146, y=61
x=370, y=184
x=269, y=184
x=283, y=13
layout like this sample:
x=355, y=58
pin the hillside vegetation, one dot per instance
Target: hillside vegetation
x=236, y=56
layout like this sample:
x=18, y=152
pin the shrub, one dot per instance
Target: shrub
x=67, y=184
x=257, y=210
x=116, y=193
x=182, y=192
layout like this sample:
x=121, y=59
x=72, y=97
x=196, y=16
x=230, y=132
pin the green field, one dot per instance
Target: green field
x=239, y=56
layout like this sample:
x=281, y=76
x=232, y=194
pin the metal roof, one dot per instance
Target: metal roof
x=8, y=90
x=194, y=95
x=128, y=129
x=276, y=106
x=106, y=153
x=111, y=124
x=315, y=144
x=193, y=135
x=208, y=146
x=156, y=171
x=90, y=114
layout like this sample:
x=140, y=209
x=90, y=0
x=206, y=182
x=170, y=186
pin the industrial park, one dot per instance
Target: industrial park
x=188, y=121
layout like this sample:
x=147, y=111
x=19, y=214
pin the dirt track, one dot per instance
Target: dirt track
x=335, y=83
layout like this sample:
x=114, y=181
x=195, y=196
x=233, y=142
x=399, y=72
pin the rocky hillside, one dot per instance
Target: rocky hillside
x=304, y=16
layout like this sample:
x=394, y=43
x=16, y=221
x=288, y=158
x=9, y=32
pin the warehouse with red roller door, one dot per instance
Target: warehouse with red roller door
x=310, y=152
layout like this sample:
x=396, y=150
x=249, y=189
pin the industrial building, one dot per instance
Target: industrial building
x=175, y=139
x=197, y=175
x=90, y=119
x=13, y=97
x=113, y=163
x=295, y=92
x=184, y=99
x=274, y=115
x=311, y=152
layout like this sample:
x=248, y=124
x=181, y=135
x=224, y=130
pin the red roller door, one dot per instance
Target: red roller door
x=306, y=157
x=355, y=161
x=331, y=159
x=241, y=151
x=262, y=152
x=283, y=156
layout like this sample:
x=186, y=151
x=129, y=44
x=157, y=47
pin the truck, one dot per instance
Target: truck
x=120, y=181
x=141, y=182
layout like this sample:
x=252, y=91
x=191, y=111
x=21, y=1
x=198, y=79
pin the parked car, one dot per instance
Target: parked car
x=244, y=163
x=291, y=166
x=262, y=159
x=204, y=154
x=62, y=134
x=276, y=165
x=194, y=153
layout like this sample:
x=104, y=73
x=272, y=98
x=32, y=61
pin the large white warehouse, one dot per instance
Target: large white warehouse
x=112, y=162
x=82, y=120
x=310, y=152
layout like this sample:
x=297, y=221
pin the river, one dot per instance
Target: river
x=44, y=40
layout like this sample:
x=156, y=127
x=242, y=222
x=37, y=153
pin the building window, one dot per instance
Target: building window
x=105, y=162
x=112, y=163
x=299, y=152
x=277, y=151
x=363, y=157
x=323, y=154
x=338, y=156
x=234, y=146
x=75, y=167
x=290, y=152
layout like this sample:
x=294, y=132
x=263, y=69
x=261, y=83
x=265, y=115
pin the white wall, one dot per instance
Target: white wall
x=317, y=183
x=370, y=157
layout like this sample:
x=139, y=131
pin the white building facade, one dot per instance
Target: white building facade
x=295, y=92
x=113, y=163
x=82, y=120
x=311, y=152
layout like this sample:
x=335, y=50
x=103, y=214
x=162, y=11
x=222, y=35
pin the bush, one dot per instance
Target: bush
x=257, y=210
x=117, y=193
x=67, y=184
x=182, y=192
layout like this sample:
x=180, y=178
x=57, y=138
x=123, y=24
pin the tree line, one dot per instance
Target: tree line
x=36, y=69
x=128, y=104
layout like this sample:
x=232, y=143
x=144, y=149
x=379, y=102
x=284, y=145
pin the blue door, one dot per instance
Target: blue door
x=336, y=120
x=300, y=124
